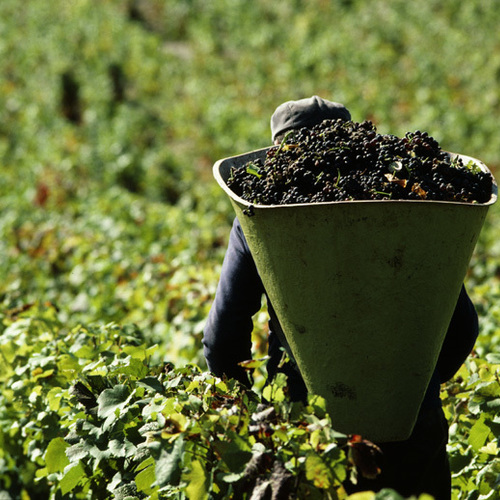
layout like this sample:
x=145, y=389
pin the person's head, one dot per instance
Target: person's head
x=292, y=115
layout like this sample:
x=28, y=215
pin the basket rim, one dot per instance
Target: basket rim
x=241, y=158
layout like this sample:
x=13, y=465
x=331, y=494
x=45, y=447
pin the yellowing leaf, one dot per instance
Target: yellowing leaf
x=55, y=456
x=401, y=182
x=54, y=397
x=145, y=479
x=318, y=472
x=416, y=188
x=273, y=393
x=315, y=438
x=478, y=434
x=175, y=423
x=253, y=364
x=196, y=478
x=363, y=495
x=491, y=449
x=8, y=351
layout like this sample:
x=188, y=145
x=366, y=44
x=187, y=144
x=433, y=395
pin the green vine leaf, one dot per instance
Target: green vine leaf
x=72, y=476
x=145, y=478
x=168, y=465
x=112, y=401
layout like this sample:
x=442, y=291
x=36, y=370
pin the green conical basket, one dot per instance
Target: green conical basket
x=364, y=291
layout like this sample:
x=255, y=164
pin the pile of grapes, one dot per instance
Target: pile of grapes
x=341, y=160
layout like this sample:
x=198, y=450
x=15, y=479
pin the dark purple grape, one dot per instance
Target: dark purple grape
x=341, y=160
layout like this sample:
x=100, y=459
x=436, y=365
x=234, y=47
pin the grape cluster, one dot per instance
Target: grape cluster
x=341, y=160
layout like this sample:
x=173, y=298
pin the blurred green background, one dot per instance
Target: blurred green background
x=113, y=112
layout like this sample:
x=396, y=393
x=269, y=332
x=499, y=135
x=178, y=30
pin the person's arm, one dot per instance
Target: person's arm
x=227, y=333
x=460, y=338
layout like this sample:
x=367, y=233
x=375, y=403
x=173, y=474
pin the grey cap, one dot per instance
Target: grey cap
x=305, y=113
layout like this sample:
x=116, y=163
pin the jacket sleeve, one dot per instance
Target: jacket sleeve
x=460, y=337
x=227, y=333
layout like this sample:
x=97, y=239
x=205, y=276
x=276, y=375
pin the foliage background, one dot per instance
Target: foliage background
x=112, y=113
